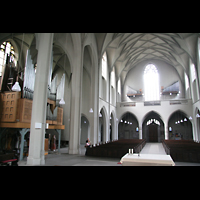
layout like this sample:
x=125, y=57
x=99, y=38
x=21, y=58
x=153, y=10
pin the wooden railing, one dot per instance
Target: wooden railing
x=167, y=149
x=139, y=147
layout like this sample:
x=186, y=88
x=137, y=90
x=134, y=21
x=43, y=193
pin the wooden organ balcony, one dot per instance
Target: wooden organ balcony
x=15, y=112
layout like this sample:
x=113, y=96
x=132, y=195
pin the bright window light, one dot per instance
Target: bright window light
x=186, y=82
x=104, y=66
x=151, y=83
x=193, y=73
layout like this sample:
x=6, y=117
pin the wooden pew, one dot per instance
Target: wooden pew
x=116, y=149
x=183, y=150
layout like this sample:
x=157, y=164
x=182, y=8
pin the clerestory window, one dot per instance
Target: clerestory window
x=104, y=66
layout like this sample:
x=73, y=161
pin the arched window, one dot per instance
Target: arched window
x=104, y=66
x=112, y=81
x=119, y=86
x=186, y=82
x=151, y=83
x=6, y=48
x=193, y=72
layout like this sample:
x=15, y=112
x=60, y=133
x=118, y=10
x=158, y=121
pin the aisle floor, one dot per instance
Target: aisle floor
x=65, y=159
x=153, y=148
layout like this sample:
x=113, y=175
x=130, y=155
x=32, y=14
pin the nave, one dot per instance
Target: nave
x=101, y=86
x=65, y=159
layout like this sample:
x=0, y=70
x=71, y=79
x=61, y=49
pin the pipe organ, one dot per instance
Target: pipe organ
x=17, y=106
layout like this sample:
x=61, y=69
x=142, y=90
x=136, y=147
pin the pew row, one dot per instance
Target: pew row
x=183, y=150
x=116, y=149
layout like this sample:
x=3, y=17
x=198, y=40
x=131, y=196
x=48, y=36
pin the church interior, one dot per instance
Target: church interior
x=119, y=90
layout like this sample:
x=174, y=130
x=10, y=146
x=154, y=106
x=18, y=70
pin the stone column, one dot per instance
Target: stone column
x=94, y=117
x=140, y=130
x=166, y=131
x=38, y=118
x=75, y=109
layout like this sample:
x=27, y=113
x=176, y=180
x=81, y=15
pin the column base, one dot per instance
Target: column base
x=73, y=151
x=33, y=161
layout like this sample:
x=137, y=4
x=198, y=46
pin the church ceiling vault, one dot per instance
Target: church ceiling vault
x=126, y=50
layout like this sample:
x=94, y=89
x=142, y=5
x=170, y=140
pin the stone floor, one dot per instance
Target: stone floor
x=65, y=159
x=153, y=148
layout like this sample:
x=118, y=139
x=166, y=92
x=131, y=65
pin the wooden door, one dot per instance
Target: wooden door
x=153, y=133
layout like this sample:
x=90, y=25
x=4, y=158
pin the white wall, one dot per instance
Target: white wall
x=164, y=110
x=167, y=76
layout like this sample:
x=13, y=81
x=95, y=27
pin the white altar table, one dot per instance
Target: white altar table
x=146, y=160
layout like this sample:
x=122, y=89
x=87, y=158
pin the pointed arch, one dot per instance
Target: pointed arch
x=180, y=126
x=153, y=131
x=85, y=129
x=128, y=126
x=103, y=125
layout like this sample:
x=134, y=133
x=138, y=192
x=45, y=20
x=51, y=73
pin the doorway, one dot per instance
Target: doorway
x=153, y=128
x=153, y=133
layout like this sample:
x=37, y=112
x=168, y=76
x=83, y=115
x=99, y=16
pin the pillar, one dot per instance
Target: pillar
x=59, y=138
x=166, y=131
x=140, y=130
x=23, y=133
x=94, y=117
x=75, y=109
x=38, y=117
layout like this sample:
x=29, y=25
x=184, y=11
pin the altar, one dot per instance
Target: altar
x=146, y=160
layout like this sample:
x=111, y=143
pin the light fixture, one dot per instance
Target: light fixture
x=190, y=118
x=181, y=120
x=175, y=122
x=16, y=87
x=90, y=111
x=100, y=115
x=185, y=119
x=62, y=102
x=197, y=115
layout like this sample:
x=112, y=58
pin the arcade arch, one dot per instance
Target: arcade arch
x=102, y=125
x=128, y=127
x=85, y=129
x=180, y=126
x=153, y=127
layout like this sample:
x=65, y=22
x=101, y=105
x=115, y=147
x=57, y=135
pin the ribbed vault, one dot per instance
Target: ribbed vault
x=126, y=50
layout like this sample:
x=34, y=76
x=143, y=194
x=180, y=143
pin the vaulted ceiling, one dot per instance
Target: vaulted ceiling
x=126, y=50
